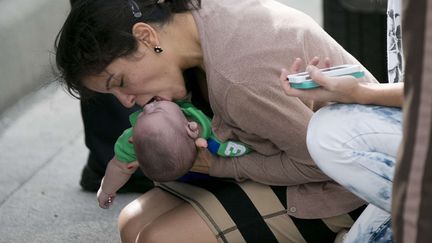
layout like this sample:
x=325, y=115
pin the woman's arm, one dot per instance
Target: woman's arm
x=346, y=89
x=254, y=109
x=274, y=126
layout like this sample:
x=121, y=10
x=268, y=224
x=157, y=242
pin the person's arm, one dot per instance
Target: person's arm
x=279, y=123
x=116, y=175
x=390, y=94
x=262, y=116
x=279, y=120
x=346, y=89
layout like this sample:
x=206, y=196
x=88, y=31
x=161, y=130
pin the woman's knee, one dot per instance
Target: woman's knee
x=151, y=233
x=181, y=224
x=162, y=234
x=130, y=222
x=144, y=210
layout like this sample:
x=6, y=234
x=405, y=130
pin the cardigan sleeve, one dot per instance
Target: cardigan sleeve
x=255, y=104
x=281, y=121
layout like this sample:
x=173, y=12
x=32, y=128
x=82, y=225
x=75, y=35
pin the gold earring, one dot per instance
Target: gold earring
x=158, y=49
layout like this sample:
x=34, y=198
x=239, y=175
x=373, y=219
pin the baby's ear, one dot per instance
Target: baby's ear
x=192, y=129
x=130, y=140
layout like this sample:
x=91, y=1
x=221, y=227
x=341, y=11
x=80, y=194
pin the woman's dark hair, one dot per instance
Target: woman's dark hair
x=98, y=31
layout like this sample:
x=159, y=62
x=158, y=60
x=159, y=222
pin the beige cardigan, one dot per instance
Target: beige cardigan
x=246, y=44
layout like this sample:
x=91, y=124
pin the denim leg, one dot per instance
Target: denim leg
x=373, y=225
x=356, y=145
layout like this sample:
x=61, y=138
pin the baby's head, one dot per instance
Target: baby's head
x=162, y=145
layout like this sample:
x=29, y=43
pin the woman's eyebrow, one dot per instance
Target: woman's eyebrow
x=108, y=81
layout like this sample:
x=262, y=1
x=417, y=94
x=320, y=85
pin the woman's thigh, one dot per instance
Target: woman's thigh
x=144, y=210
x=180, y=224
x=245, y=212
x=356, y=145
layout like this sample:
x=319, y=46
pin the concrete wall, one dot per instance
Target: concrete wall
x=27, y=32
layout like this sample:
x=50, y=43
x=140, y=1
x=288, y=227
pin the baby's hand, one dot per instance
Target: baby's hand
x=105, y=200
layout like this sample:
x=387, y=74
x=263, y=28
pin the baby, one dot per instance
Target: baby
x=162, y=143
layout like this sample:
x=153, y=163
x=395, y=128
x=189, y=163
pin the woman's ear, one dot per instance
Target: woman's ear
x=145, y=34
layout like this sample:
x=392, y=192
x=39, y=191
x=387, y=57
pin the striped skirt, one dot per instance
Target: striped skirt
x=252, y=212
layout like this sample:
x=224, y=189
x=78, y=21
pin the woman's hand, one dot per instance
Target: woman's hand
x=344, y=89
x=203, y=161
x=204, y=158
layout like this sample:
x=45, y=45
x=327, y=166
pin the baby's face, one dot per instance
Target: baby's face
x=162, y=106
x=161, y=112
x=166, y=113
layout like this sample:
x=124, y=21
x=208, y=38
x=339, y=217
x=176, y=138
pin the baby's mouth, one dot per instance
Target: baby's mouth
x=151, y=100
x=155, y=99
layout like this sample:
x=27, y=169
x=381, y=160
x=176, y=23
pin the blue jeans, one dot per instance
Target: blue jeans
x=356, y=145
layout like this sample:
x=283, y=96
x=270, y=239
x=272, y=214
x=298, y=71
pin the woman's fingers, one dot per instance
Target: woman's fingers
x=327, y=62
x=292, y=91
x=201, y=143
x=314, y=61
x=316, y=75
x=284, y=80
x=296, y=65
x=332, y=88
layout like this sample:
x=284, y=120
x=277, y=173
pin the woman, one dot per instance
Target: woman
x=139, y=50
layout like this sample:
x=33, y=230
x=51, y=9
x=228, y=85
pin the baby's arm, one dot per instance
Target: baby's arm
x=116, y=175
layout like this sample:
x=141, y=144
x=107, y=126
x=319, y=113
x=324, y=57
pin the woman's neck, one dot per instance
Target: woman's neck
x=182, y=34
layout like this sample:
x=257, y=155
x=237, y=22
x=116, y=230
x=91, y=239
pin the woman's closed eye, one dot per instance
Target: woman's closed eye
x=114, y=80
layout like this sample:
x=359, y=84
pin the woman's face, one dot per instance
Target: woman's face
x=140, y=77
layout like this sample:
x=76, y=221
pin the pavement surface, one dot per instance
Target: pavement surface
x=42, y=153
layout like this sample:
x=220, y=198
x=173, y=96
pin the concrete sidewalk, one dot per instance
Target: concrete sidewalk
x=42, y=153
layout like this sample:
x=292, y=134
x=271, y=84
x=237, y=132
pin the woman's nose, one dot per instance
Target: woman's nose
x=127, y=100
